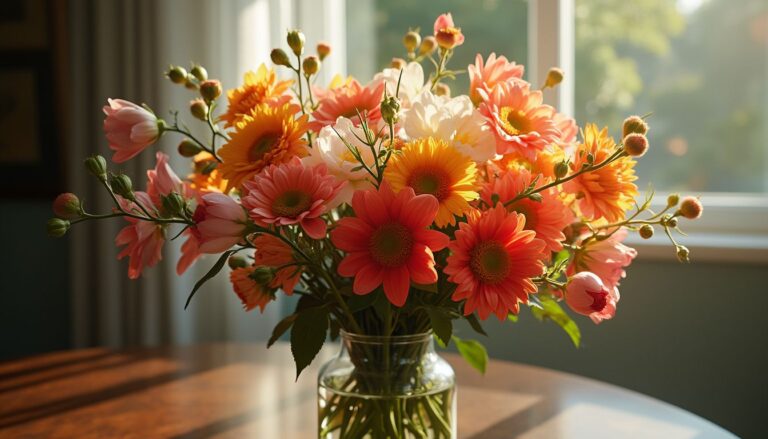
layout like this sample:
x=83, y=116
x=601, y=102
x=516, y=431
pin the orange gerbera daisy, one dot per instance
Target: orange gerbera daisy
x=204, y=179
x=251, y=290
x=547, y=217
x=432, y=166
x=607, y=192
x=260, y=87
x=267, y=136
x=274, y=253
x=492, y=262
x=348, y=100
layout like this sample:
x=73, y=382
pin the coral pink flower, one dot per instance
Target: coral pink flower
x=606, y=258
x=520, y=121
x=547, y=217
x=291, y=193
x=143, y=240
x=447, y=34
x=486, y=75
x=568, y=131
x=348, y=100
x=162, y=180
x=492, y=262
x=587, y=295
x=387, y=241
x=129, y=128
x=250, y=291
x=274, y=253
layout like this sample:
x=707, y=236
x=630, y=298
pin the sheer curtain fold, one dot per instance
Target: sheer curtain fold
x=120, y=48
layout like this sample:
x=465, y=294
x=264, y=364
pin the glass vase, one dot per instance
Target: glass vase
x=387, y=387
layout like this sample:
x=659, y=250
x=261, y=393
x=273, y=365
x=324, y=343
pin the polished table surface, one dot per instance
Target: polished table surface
x=246, y=391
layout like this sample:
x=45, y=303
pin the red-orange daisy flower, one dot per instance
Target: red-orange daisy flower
x=547, y=217
x=274, y=253
x=492, y=262
x=251, y=291
x=348, y=100
x=388, y=242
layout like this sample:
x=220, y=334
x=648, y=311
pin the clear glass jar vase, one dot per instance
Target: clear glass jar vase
x=387, y=387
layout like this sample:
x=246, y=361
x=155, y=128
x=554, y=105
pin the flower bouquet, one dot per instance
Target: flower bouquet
x=391, y=209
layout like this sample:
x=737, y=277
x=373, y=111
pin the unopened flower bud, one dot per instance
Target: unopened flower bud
x=280, y=58
x=683, y=254
x=97, y=166
x=428, y=45
x=691, y=208
x=57, y=227
x=390, y=107
x=442, y=90
x=672, y=200
x=554, y=77
x=188, y=148
x=635, y=144
x=177, y=74
x=310, y=65
x=323, y=50
x=190, y=83
x=262, y=275
x=411, y=41
x=198, y=108
x=295, y=41
x=634, y=124
x=537, y=197
x=173, y=204
x=199, y=72
x=121, y=185
x=672, y=222
x=210, y=90
x=646, y=231
x=236, y=261
x=561, y=169
x=67, y=206
x=397, y=63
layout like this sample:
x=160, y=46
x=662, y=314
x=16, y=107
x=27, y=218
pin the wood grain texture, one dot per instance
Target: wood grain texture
x=233, y=390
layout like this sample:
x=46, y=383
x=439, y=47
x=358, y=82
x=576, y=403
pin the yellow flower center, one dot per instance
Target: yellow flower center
x=391, y=244
x=513, y=121
x=490, y=262
x=291, y=203
x=261, y=146
x=432, y=181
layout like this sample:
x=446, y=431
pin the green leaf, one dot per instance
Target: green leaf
x=211, y=273
x=549, y=309
x=308, y=336
x=308, y=301
x=280, y=329
x=473, y=352
x=475, y=324
x=358, y=303
x=441, y=324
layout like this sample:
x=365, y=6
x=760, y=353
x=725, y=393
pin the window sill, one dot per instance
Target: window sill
x=705, y=247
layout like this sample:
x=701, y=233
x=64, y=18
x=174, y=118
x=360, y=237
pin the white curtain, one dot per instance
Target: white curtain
x=120, y=49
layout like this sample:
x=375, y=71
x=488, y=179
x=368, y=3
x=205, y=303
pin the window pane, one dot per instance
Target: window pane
x=375, y=30
x=701, y=67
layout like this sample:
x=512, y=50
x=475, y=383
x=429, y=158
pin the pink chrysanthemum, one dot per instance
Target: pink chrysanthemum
x=519, y=119
x=348, y=100
x=291, y=193
x=547, y=217
x=492, y=262
x=387, y=241
x=486, y=75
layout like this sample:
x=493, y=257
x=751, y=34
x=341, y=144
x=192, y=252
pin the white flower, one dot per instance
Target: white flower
x=331, y=150
x=411, y=84
x=454, y=120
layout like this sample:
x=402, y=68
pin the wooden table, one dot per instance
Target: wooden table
x=244, y=391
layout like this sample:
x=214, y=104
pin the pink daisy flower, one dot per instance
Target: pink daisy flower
x=486, y=75
x=606, y=258
x=492, y=262
x=291, y=193
x=547, y=217
x=519, y=119
x=348, y=100
x=388, y=241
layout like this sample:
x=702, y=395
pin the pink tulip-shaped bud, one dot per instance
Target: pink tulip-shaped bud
x=220, y=222
x=129, y=129
x=586, y=294
x=447, y=34
x=67, y=206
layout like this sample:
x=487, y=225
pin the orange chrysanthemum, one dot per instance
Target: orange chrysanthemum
x=267, y=136
x=260, y=87
x=250, y=291
x=492, y=262
x=543, y=163
x=607, y=192
x=547, y=217
x=204, y=180
x=432, y=166
x=274, y=253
